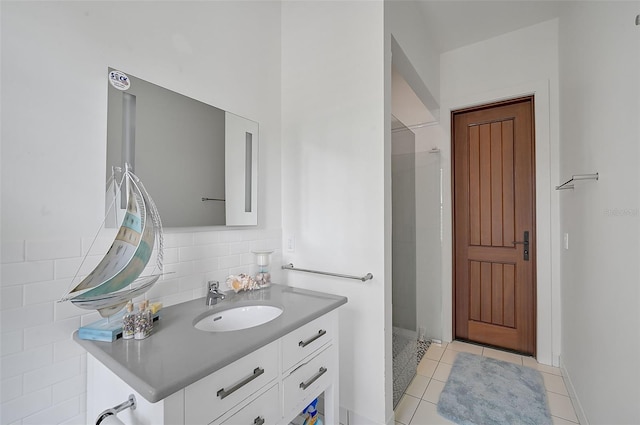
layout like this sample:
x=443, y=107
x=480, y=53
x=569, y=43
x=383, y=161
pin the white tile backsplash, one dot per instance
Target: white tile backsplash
x=51, y=374
x=230, y=261
x=56, y=413
x=177, y=240
x=69, y=388
x=11, y=342
x=170, y=255
x=191, y=282
x=231, y=236
x=26, y=361
x=50, y=332
x=177, y=270
x=26, y=272
x=206, y=266
x=53, y=249
x=36, y=293
x=163, y=288
x=99, y=245
x=27, y=316
x=10, y=296
x=43, y=369
x=25, y=405
x=66, y=310
x=238, y=248
x=67, y=268
x=206, y=238
x=66, y=349
x=10, y=389
x=90, y=316
x=12, y=252
x=78, y=419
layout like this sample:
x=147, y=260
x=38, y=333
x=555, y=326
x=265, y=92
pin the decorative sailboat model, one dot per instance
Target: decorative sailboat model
x=117, y=278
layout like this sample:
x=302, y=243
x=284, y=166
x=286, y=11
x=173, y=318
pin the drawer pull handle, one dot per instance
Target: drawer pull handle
x=305, y=385
x=222, y=393
x=258, y=421
x=313, y=338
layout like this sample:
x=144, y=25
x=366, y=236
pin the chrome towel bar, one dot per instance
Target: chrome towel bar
x=364, y=278
x=566, y=185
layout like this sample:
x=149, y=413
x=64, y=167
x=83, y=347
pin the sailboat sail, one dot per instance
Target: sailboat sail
x=104, y=288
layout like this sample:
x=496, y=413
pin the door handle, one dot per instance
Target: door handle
x=525, y=242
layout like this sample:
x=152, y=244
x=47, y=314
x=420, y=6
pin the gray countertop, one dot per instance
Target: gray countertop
x=177, y=355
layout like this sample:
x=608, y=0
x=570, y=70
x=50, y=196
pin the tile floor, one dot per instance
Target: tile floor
x=418, y=404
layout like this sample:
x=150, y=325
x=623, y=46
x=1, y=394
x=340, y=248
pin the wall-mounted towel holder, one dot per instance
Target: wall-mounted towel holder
x=569, y=183
x=364, y=278
x=130, y=403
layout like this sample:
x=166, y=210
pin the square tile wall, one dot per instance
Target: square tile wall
x=42, y=370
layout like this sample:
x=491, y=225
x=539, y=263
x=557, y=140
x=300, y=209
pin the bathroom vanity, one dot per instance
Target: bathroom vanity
x=266, y=374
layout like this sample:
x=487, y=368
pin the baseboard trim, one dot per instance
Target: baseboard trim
x=572, y=394
x=351, y=418
x=391, y=420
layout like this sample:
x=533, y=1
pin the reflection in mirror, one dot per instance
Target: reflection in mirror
x=176, y=145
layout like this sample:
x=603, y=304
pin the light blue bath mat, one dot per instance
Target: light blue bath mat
x=483, y=391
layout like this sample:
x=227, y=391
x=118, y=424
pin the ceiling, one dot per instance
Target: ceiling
x=457, y=23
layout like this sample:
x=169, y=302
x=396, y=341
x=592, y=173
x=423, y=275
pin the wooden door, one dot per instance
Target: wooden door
x=494, y=205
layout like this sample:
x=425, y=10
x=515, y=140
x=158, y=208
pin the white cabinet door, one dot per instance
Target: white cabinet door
x=264, y=410
x=307, y=382
x=303, y=341
x=212, y=396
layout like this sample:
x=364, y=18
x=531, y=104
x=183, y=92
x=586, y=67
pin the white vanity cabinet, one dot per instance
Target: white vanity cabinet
x=212, y=396
x=264, y=410
x=269, y=386
x=305, y=340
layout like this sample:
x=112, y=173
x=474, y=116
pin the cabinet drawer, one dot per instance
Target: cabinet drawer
x=307, y=381
x=215, y=394
x=300, y=343
x=264, y=410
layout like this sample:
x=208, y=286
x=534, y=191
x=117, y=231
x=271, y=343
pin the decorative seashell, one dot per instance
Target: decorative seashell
x=234, y=283
x=241, y=282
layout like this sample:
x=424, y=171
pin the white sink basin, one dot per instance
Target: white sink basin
x=238, y=318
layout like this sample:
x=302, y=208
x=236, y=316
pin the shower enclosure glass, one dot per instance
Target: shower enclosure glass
x=428, y=244
x=404, y=291
x=416, y=250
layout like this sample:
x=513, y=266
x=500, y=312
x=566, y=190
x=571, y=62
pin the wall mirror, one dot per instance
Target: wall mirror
x=198, y=162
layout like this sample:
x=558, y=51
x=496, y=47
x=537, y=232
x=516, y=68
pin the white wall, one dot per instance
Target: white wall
x=54, y=66
x=600, y=95
x=514, y=64
x=333, y=180
x=404, y=20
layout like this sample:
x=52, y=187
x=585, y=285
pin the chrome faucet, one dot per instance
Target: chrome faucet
x=213, y=294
